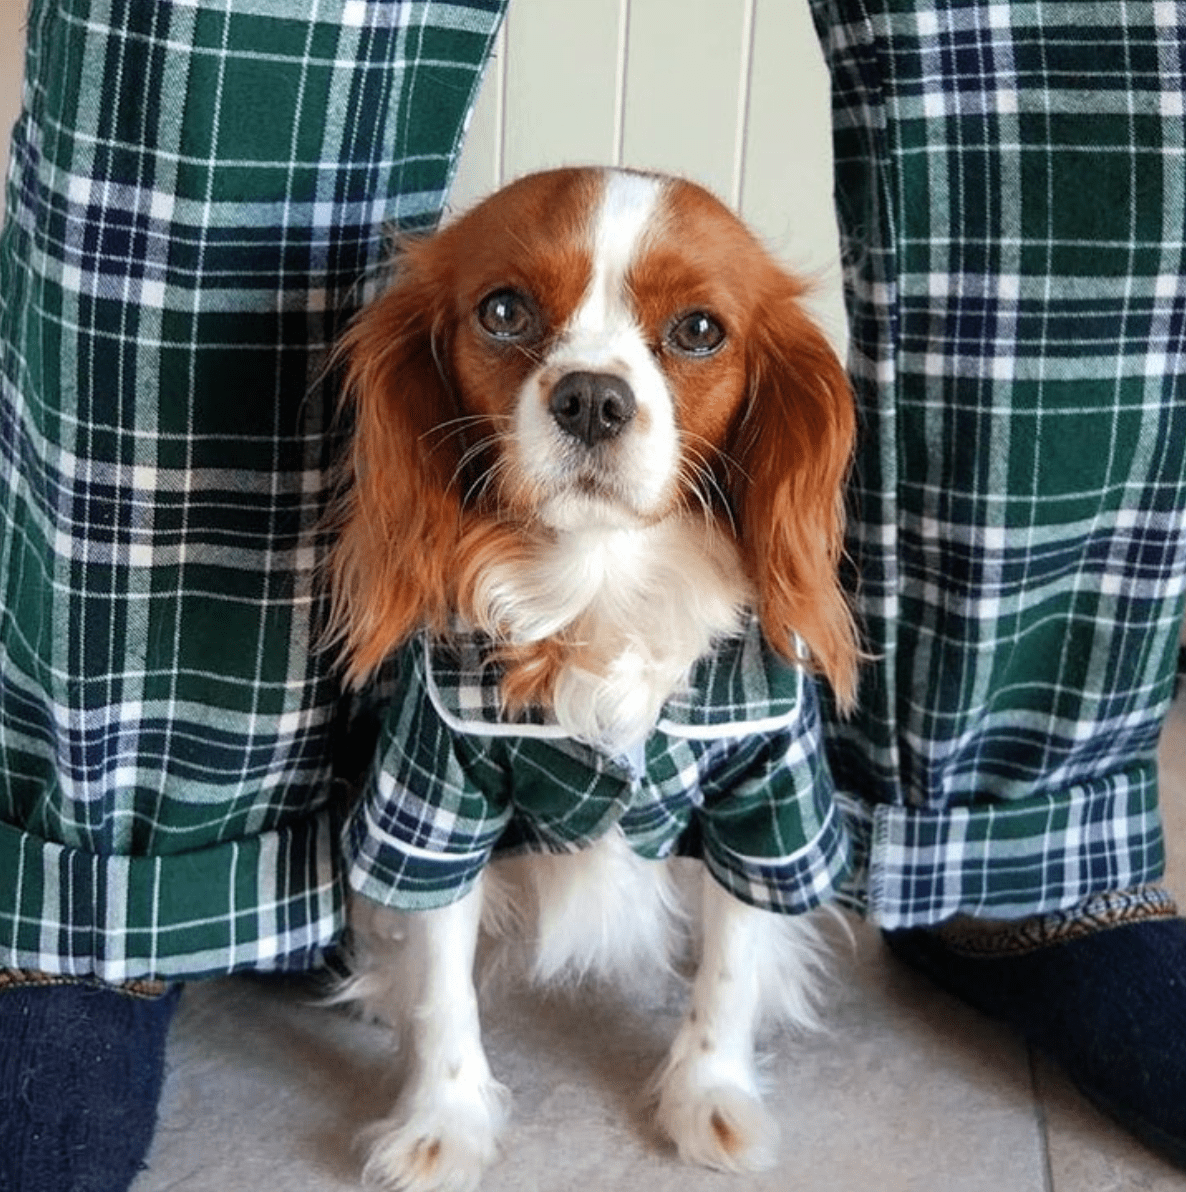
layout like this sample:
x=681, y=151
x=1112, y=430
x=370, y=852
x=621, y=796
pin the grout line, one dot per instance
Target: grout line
x=744, y=84
x=620, y=67
x=1040, y=1119
x=502, y=50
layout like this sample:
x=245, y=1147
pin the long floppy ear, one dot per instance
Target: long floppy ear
x=399, y=513
x=793, y=450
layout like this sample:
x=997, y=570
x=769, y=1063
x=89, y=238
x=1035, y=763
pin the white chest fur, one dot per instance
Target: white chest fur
x=639, y=606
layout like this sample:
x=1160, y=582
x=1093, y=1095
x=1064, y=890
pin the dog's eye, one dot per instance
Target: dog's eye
x=696, y=334
x=507, y=314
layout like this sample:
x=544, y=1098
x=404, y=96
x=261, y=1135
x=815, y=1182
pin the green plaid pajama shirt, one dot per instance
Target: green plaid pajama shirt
x=734, y=772
x=197, y=191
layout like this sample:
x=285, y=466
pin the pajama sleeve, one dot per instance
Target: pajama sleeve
x=433, y=808
x=770, y=831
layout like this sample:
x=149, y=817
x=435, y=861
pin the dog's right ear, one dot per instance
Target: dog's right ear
x=399, y=511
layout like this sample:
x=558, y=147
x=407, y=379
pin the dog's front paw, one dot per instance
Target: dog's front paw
x=440, y=1143
x=714, y=1119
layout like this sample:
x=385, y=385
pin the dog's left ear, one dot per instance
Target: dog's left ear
x=792, y=451
x=398, y=519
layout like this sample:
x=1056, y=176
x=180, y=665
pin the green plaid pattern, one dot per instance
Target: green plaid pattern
x=1011, y=190
x=196, y=191
x=734, y=772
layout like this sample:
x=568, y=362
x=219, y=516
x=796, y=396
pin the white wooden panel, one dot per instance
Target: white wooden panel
x=684, y=86
x=563, y=82
x=12, y=69
x=786, y=185
x=479, y=170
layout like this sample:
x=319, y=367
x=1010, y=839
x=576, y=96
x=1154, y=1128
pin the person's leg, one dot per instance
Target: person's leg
x=1012, y=203
x=197, y=194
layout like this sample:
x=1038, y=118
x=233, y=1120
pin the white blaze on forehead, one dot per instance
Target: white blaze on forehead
x=640, y=465
x=627, y=208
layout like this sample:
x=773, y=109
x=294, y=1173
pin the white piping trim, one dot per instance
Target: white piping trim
x=729, y=728
x=481, y=728
x=556, y=732
x=413, y=850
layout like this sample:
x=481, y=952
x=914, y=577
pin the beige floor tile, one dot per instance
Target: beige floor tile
x=908, y=1093
x=912, y=1091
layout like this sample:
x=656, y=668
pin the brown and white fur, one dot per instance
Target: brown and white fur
x=593, y=420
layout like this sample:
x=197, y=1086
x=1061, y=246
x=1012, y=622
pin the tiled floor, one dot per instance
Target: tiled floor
x=908, y=1092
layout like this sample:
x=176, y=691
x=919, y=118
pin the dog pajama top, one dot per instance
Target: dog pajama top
x=732, y=772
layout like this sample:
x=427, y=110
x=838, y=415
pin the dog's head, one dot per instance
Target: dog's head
x=591, y=348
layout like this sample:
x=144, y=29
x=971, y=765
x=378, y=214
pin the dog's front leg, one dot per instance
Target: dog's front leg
x=443, y=1132
x=709, y=1100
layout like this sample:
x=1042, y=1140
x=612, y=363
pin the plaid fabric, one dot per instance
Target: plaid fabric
x=733, y=771
x=1011, y=190
x=196, y=190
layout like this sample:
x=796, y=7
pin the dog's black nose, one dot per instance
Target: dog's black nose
x=592, y=406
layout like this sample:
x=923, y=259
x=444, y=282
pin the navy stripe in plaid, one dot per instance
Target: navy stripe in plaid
x=1010, y=184
x=454, y=784
x=196, y=190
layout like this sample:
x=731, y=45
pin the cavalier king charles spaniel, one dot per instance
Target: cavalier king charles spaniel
x=597, y=460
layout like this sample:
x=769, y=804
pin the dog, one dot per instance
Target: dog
x=596, y=471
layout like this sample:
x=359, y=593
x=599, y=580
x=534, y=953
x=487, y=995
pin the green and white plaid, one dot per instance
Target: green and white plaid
x=1011, y=190
x=196, y=190
x=734, y=772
